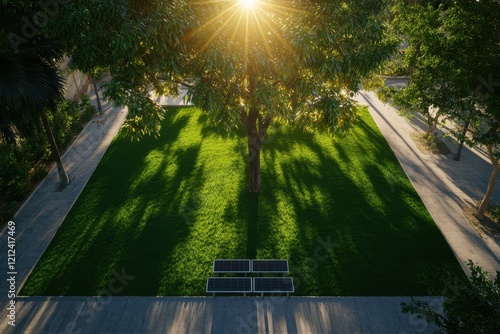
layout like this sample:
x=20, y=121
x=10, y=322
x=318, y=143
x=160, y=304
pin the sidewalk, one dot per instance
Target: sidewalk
x=213, y=315
x=44, y=211
x=444, y=185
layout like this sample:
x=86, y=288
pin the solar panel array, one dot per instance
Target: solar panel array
x=247, y=284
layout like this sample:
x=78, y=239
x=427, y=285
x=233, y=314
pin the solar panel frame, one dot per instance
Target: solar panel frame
x=236, y=266
x=272, y=264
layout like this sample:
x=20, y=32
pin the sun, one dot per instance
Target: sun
x=248, y=4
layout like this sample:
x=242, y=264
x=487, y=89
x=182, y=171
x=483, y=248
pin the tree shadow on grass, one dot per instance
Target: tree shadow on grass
x=136, y=238
x=340, y=210
x=354, y=233
x=252, y=223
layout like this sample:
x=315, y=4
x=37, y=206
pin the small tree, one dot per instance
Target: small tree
x=472, y=30
x=471, y=304
x=418, y=25
x=454, y=56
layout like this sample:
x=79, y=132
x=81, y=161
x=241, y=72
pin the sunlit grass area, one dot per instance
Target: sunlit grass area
x=341, y=210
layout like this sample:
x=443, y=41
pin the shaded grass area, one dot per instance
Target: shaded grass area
x=341, y=210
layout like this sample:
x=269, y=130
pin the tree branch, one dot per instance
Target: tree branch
x=185, y=84
x=244, y=117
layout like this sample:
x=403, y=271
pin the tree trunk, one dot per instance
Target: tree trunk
x=491, y=185
x=428, y=132
x=256, y=127
x=96, y=90
x=63, y=176
x=431, y=125
x=462, y=141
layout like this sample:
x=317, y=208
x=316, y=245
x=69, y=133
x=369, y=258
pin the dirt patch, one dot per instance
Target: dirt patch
x=429, y=145
x=488, y=226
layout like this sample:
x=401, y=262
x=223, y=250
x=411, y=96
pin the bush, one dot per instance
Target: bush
x=21, y=166
x=14, y=181
x=87, y=110
x=495, y=213
x=69, y=118
x=471, y=305
x=65, y=122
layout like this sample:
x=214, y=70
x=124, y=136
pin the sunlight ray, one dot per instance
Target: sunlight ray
x=250, y=22
x=219, y=30
x=248, y=4
x=275, y=32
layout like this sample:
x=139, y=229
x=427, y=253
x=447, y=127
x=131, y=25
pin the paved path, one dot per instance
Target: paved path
x=212, y=315
x=444, y=185
x=44, y=211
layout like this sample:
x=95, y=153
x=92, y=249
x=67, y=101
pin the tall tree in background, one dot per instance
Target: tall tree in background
x=418, y=24
x=454, y=61
x=140, y=43
x=30, y=83
x=300, y=62
x=473, y=33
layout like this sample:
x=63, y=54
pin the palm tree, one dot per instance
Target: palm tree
x=30, y=85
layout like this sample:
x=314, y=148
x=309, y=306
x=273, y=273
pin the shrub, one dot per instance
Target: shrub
x=65, y=122
x=14, y=181
x=471, y=305
x=87, y=110
x=495, y=213
x=27, y=163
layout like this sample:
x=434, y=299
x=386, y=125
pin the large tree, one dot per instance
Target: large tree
x=247, y=63
x=30, y=82
x=255, y=62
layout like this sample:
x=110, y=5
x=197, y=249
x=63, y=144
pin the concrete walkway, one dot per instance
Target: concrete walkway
x=444, y=184
x=44, y=211
x=212, y=315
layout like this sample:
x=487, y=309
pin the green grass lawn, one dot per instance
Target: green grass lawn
x=341, y=210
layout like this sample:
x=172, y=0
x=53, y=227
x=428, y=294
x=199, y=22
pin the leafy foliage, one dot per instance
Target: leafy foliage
x=294, y=61
x=471, y=304
x=298, y=62
x=140, y=43
x=67, y=121
x=25, y=164
x=419, y=26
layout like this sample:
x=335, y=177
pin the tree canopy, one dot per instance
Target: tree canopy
x=453, y=53
x=291, y=61
x=245, y=63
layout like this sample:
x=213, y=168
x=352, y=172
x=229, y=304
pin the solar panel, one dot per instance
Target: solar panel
x=229, y=284
x=231, y=266
x=273, y=284
x=270, y=266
